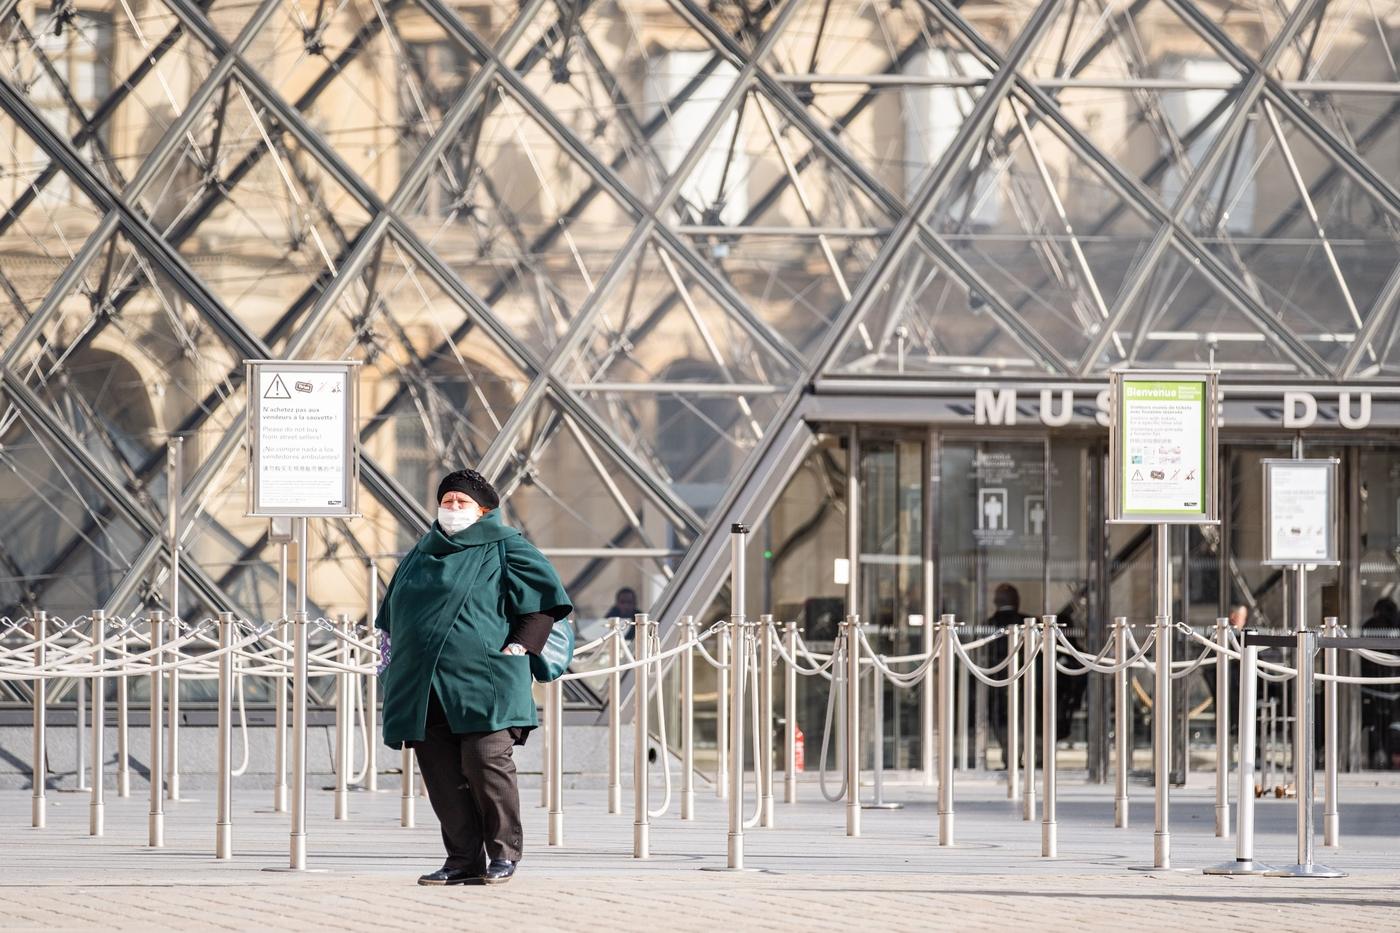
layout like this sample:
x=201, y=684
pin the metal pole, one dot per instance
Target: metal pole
x=545, y=731
x=82, y=737
x=223, y=827
x=723, y=688
x=853, y=725
x=1049, y=828
x=947, y=675
x=1222, y=730
x=344, y=714
x=1331, y=820
x=174, y=485
x=765, y=702
x=641, y=802
x=1303, y=760
x=554, y=750
x=123, y=721
x=688, y=722
x=1244, y=863
x=790, y=711
x=372, y=689
x=1012, y=751
x=155, y=822
x=738, y=535
x=99, y=722
x=408, y=780
x=1162, y=703
x=300, y=625
x=1028, y=716
x=927, y=711
x=279, y=725
x=1122, y=724
x=39, y=804
x=615, y=716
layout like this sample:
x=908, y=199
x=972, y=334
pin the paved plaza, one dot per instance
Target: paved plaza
x=810, y=877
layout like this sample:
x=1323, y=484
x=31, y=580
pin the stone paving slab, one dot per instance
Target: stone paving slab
x=811, y=877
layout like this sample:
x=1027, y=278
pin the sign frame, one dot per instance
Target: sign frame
x=1210, y=447
x=253, y=370
x=1327, y=465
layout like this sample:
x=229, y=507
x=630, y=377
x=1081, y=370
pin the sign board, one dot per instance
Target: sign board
x=1300, y=512
x=1163, y=447
x=302, y=438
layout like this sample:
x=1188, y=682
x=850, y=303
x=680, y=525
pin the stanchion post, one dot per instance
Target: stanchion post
x=1331, y=819
x=1303, y=759
x=615, y=715
x=723, y=689
x=408, y=789
x=1222, y=729
x=223, y=827
x=1049, y=827
x=790, y=713
x=1162, y=704
x=688, y=722
x=1028, y=643
x=1013, y=718
x=82, y=735
x=947, y=675
x=155, y=821
x=1244, y=863
x=372, y=688
x=737, y=670
x=279, y=722
x=123, y=724
x=38, y=817
x=554, y=753
x=344, y=717
x=96, y=805
x=853, y=742
x=927, y=707
x=174, y=485
x=1122, y=724
x=641, y=798
x=765, y=727
x=299, y=691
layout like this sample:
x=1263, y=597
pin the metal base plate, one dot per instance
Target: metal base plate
x=299, y=871
x=1306, y=871
x=1153, y=868
x=727, y=868
x=882, y=806
x=1238, y=867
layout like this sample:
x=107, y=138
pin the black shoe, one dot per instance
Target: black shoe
x=447, y=875
x=499, y=871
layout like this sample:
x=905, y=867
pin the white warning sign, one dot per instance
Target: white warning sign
x=302, y=433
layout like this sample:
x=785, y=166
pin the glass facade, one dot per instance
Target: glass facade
x=603, y=250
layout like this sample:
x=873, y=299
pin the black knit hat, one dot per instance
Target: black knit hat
x=473, y=484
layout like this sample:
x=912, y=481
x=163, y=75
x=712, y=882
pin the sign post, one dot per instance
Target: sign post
x=303, y=447
x=1163, y=448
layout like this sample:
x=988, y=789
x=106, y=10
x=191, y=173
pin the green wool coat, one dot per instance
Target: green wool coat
x=448, y=611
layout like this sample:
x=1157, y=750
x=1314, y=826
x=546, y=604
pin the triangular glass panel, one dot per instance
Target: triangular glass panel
x=1350, y=42
x=1181, y=319
x=1366, y=124
x=252, y=212
x=925, y=321
x=1042, y=229
x=575, y=501
x=1312, y=245
x=519, y=220
x=435, y=388
x=632, y=79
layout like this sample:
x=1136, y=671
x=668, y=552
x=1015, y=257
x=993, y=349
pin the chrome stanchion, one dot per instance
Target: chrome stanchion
x=1162, y=705
x=927, y=715
x=155, y=822
x=96, y=805
x=1122, y=724
x=299, y=691
x=790, y=712
x=723, y=689
x=123, y=722
x=1049, y=827
x=615, y=716
x=38, y=817
x=279, y=684
x=765, y=727
x=736, y=671
x=1028, y=644
x=408, y=789
x=641, y=798
x=223, y=827
x=688, y=722
x=1013, y=719
x=1331, y=820
x=82, y=736
x=372, y=687
x=174, y=485
x=344, y=716
x=1244, y=863
x=947, y=677
x=1222, y=730
x=554, y=753
x=852, y=626
x=1303, y=760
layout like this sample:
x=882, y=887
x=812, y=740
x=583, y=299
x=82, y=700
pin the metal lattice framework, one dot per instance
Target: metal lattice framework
x=601, y=249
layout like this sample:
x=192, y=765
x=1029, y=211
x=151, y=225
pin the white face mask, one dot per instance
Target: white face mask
x=455, y=520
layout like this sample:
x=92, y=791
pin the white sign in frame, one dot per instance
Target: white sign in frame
x=303, y=442
x=1163, y=447
x=1300, y=512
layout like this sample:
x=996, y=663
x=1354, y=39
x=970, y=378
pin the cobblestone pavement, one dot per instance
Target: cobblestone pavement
x=810, y=877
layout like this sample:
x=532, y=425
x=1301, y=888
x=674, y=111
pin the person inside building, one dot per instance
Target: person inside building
x=461, y=613
x=624, y=607
x=1380, y=703
x=1006, y=600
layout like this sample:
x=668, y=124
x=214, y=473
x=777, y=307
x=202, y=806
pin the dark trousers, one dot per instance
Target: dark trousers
x=471, y=785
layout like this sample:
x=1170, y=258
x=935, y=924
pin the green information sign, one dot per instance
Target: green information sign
x=1163, y=436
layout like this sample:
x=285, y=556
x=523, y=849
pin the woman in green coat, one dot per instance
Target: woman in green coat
x=463, y=610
